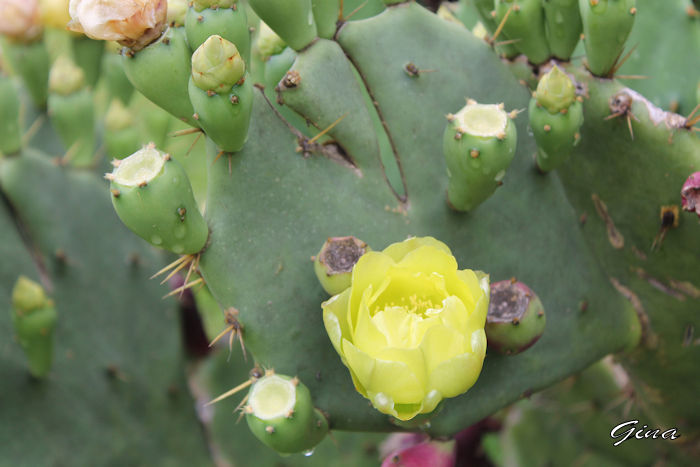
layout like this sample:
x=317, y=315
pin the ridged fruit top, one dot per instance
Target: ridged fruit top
x=555, y=91
x=217, y=66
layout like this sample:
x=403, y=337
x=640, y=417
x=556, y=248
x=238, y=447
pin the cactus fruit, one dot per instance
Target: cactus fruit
x=516, y=317
x=34, y=318
x=556, y=116
x=153, y=197
x=417, y=451
x=292, y=20
x=563, y=25
x=326, y=15
x=71, y=109
x=606, y=25
x=690, y=194
x=333, y=264
x=280, y=413
x=168, y=89
x=525, y=26
x=221, y=94
x=10, y=132
x=225, y=18
x=479, y=144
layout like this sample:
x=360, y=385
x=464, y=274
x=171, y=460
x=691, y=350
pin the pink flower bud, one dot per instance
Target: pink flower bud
x=690, y=194
x=133, y=23
x=416, y=450
x=20, y=19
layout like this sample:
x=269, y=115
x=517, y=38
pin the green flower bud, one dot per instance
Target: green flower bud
x=268, y=43
x=65, y=77
x=217, y=66
x=479, y=145
x=280, y=413
x=515, y=320
x=606, y=26
x=555, y=91
x=153, y=197
x=333, y=264
x=34, y=318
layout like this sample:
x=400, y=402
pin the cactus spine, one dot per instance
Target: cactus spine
x=34, y=318
x=153, y=197
x=479, y=145
x=556, y=116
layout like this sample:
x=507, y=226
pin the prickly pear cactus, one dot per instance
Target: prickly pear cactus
x=278, y=125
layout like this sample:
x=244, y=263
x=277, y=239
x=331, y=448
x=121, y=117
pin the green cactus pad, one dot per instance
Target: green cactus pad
x=479, y=145
x=292, y=20
x=153, y=197
x=231, y=23
x=606, y=25
x=10, y=132
x=280, y=413
x=526, y=26
x=563, y=26
x=161, y=72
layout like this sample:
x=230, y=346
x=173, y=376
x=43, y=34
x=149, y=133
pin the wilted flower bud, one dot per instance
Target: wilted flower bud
x=217, y=65
x=133, y=23
x=19, y=19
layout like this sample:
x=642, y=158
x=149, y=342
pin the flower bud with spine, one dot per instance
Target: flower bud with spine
x=221, y=94
x=10, y=131
x=34, y=319
x=478, y=145
x=292, y=20
x=72, y=113
x=516, y=317
x=563, y=26
x=556, y=116
x=280, y=413
x=225, y=18
x=606, y=26
x=153, y=197
x=525, y=26
x=162, y=71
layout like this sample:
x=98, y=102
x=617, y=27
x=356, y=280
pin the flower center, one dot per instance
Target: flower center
x=414, y=304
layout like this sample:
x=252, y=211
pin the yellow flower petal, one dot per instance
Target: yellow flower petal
x=366, y=336
x=401, y=328
x=335, y=312
x=454, y=376
x=442, y=343
x=397, y=251
x=429, y=258
x=371, y=269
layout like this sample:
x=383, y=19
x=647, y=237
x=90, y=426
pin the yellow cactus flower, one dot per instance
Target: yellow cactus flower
x=19, y=19
x=54, y=13
x=411, y=326
x=133, y=23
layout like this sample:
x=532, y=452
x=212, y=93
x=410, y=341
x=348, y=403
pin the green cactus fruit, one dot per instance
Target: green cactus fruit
x=161, y=72
x=121, y=136
x=224, y=18
x=31, y=62
x=606, y=26
x=280, y=413
x=563, y=26
x=118, y=85
x=34, y=319
x=70, y=107
x=220, y=93
x=556, y=116
x=153, y=197
x=10, y=132
x=333, y=264
x=479, y=145
x=292, y=20
x=526, y=26
x=326, y=15
x=87, y=54
x=268, y=43
x=177, y=10
x=486, y=11
x=516, y=318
